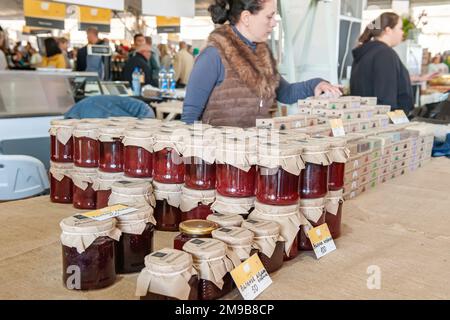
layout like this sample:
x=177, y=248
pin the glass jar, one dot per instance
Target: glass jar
x=314, y=178
x=138, y=153
x=136, y=241
x=267, y=236
x=287, y=218
x=338, y=155
x=278, y=177
x=196, y=204
x=199, y=174
x=132, y=193
x=333, y=206
x=167, y=210
x=61, y=182
x=203, y=251
x=61, y=141
x=102, y=185
x=237, y=239
x=226, y=220
x=166, y=271
x=86, y=147
x=192, y=229
x=84, y=196
x=314, y=211
x=168, y=166
x=111, y=149
x=236, y=168
x=87, y=254
x=231, y=205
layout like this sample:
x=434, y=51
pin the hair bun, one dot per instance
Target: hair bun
x=219, y=11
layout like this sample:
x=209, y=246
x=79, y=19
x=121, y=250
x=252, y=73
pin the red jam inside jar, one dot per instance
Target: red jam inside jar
x=102, y=198
x=275, y=262
x=193, y=294
x=293, y=252
x=111, y=156
x=336, y=173
x=132, y=249
x=138, y=162
x=168, y=166
x=277, y=187
x=207, y=290
x=86, y=152
x=84, y=199
x=61, y=152
x=199, y=174
x=303, y=241
x=313, y=181
x=192, y=229
x=61, y=191
x=167, y=217
x=96, y=264
x=334, y=221
x=200, y=212
x=234, y=182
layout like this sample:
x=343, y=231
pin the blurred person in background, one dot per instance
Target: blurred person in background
x=437, y=65
x=165, y=58
x=93, y=63
x=140, y=61
x=183, y=64
x=63, y=44
x=53, y=56
x=3, y=51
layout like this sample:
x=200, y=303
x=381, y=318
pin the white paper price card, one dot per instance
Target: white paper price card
x=251, y=278
x=321, y=240
x=398, y=117
x=337, y=126
x=109, y=212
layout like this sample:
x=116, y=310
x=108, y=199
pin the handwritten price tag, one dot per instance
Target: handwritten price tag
x=251, y=278
x=321, y=240
x=109, y=212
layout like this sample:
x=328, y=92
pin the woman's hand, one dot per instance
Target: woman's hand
x=328, y=89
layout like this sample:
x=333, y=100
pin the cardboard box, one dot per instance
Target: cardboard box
x=278, y=123
x=369, y=101
x=382, y=109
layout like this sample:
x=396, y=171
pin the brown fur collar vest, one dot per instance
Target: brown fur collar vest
x=257, y=70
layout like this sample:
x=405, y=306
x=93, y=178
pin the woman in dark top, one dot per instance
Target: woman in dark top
x=377, y=70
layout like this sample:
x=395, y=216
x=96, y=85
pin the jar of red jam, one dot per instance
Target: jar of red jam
x=102, y=185
x=86, y=147
x=239, y=240
x=289, y=221
x=236, y=168
x=230, y=205
x=84, y=195
x=213, y=263
x=314, y=178
x=199, y=162
x=314, y=211
x=333, y=206
x=196, y=204
x=61, y=182
x=167, y=210
x=267, y=243
x=338, y=155
x=138, y=153
x=148, y=123
x=192, y=229
x=226, y=220
x=88, y=252
x=168, y=275
x=111, y=149
x=168, y=165
x=132, y=193
x=278, y=175
x=136, y=241
x=61, y=141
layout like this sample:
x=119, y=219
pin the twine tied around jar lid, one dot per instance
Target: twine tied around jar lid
x=199, y=146
x=167, y=272
x=212, y=259
x=59, y=170
x=139, y=138
x=171, y=138
x=169, y=192
x=238, y=239
x=230, y=205
x=267, y=234
x=238, y=153
x=136, y=222
x=110, y=133
x=191, y=199
x=135, y=194
x=287, y=217
x=105, y=180
x=286, y=156
x=226, y=220
x=86, y=130
x=315, y=152
x=332, y=201
x=311, y=210
x=80, y=232
x=62, y=129
x=82, y=177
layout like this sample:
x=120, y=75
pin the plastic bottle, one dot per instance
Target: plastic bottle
x=163, y=85
x=171, y=78
x=136, y=82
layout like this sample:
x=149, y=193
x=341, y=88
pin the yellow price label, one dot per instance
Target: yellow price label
x=321, y=240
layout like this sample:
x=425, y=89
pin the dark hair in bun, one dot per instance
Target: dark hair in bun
x=230, y=10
